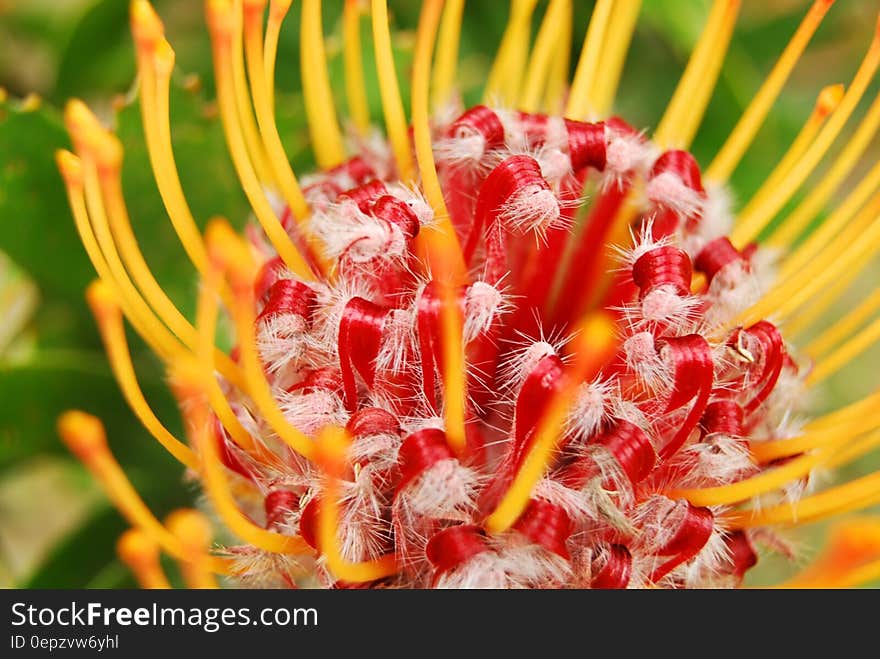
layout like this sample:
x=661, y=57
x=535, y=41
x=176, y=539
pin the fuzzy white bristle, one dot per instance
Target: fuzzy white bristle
x=483, y=302
x=531, y=209
x=668, y=190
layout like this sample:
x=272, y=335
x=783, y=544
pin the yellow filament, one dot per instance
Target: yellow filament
x=580, y=101
x=120, y=229
x=808, y=316
x=845, y=353
x=141, y=554
x=550, y=38
x=828, y=100
x=248, y=125
x=444, y=253
x=217, y=488
x=355, y=89
x=506, y=74
x=557, y=83
x=853, y=544
x=235, y=260
x=764, y=482
x=221, y=37
x=444, y=75
x=333, y=444
x=841, y=219
x=157, y=336
x=697, y=71
x=392, y=105
x=109, y=318
x=84, y=436
x=753, y=118
x=320, y=108
x=281, y=168
x=757, y=214
x=194, y=533
x=853, y=450
x=846, y=414
x=617, y=41
x=779, y=448
x=844, y=327
x=593, y=347
x=858, y=240
x=856, y=494
x=859, y=576
x=277, y=12
x=800, y=218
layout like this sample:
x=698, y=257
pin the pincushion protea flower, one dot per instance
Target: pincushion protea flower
x=521, y=344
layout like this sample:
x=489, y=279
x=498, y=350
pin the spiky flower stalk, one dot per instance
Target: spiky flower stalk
x=444, y=375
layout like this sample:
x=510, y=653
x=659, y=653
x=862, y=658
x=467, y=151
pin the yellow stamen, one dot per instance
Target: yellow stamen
x=392, y=105
x=444, y=253
x=277, y=12
x=688, y=103
x=594, y=345
x=827, y=101
x=506, y=73
x=767, y=481
x=557, y=82
x=856, y=494
x=155, y=61
x=753, y=118
x=859, y=576
x=109, y=317
x=800, y=218
x=846, y=414
x=217, y=486
x=547, y=43
x=845, y=353
x=221, y=21
x=756, y=215
x=324, y=128
x=156, y=335
x=290, y=189
x=248, y=126
x=355, y=89
x=141, y=554
x=84, y=436
x=617, y=41
x=580, y=103
x=842, y=433
x=844, y=327
x=233, y=257
x=852, y=545
x=194, y=533
x=444, y=76
x=333, y=445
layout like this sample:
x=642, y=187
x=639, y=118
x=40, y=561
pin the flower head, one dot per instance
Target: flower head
x=521, y=344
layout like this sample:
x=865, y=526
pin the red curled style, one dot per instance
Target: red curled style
x=451, y=547
x=542, y=382
x=741, y=556
x=360, y=339
x=683, y=165
x=226, y=454
x=547, y=525
x=715, y=255
x=689, y=538
x=663, y=266
x=364, y=195
x=372, y=421
x=308, y=522
x=586, y=144
x=419, y=452
x=289, y=297
x=513, y=176
x=773, y=357
x=327, y=378
x=723, y=417
x=270, y=272
x=481, y=120
x=277, y=505
x=396, y=212
x=632, y=449
x=356, y=169
x=612, y=569
x=693, y=375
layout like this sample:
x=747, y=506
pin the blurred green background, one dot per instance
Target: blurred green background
x=56, y=528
